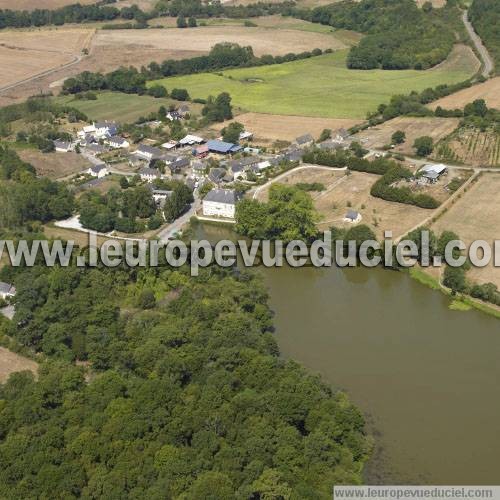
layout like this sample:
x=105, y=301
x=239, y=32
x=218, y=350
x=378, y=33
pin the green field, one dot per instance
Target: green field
x=321, y=86
x=123, y=108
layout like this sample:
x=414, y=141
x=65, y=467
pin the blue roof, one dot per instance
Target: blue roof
x=222, y=147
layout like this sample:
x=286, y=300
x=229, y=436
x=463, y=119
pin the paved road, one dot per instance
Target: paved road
x=483, y=52
x=170, y=231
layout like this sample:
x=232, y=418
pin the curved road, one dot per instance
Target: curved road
x=488, y=64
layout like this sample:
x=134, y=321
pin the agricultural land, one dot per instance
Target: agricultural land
x=10, y=362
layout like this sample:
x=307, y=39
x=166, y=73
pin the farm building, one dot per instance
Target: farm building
x=169, y=145
x=190, y=140
x=431, y=173
x=6, y=290
x=148, y=152
x=98, y=171
x=246, y=136
x=352, y=216
x=221, y=147
x=220, y=203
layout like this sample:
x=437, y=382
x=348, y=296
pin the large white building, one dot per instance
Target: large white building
x=220, y=203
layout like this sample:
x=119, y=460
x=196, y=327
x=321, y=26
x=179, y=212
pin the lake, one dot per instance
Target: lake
x=425, y=376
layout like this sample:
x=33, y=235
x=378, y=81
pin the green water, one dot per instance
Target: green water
x=426, y=377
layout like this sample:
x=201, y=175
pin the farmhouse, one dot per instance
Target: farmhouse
x=148, y=152
x=431, y=173
x=352, y=216
x=331, y=145
x=220, y=203
x=149, y=174
x=6, y=290
x=117, y=142
x=292, y=155
x=95, y=149
x=221, y=147
x=98, y=171
x=62, y=146
x=216, y=175
x=177, y=165
x=304, y=140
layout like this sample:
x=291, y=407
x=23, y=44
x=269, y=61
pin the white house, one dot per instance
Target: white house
x=6, y=290
x=220, y=203
x=148, y=152
x=352, y=216
x=149, y=174
x=62, y=146
x=105, y=129
x=190, y=140
x=117, y=142
x=98, y=171
x=86, y=132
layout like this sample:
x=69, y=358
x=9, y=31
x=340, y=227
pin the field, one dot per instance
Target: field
x=378, y=136
x=344, y=192
x=471, y=146
x=39, y=4
x=122, y=108
x=200, y=40
x=10, y=362
x=489, y=91
x=25, y=54
x=475, y=216
x=54, y=165
x=321, y=86
x=270, y=128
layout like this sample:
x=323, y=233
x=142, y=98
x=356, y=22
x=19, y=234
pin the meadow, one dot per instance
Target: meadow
x=321, y=86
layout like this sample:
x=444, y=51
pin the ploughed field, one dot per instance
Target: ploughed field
x=320, y=86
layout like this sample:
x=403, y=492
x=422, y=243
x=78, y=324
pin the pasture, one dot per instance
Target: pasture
x=39, y=4
x=54, y=165
x=10, y=362
x=320, y=86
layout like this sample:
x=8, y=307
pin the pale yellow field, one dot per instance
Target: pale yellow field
x=270, y=128
x=25, y=54
x=200, y=40
x=475, y=216
x=489, y=91
x=55, y=165
x=39, y=4
x=378, y=136
x=10, y=362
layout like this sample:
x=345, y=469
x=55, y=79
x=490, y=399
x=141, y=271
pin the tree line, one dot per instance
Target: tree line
x=485, y=17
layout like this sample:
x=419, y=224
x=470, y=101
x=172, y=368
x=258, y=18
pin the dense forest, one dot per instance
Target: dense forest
x=180, y=393
x=485, y=17
x=399, y=34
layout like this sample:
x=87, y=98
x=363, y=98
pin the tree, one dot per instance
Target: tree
x=157, y=91
x=398, y=137
x=180, y=94
x=192, y=22
x=454, y=278
x=146, y=299
x=325, y=135
x=232, y=132
x=423, y=145
x=124, y=182
x=181, y=22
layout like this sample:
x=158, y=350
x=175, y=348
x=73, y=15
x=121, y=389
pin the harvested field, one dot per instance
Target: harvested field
x=26, y=54
x=378, y=136
x=54, y=165
x=435, y=3
x=10, y=362
x=270, y=128
x=475, y=216
x=489, y=91
x=344, y=192
x=39, y=4
x=200, y=40
x=471, y=146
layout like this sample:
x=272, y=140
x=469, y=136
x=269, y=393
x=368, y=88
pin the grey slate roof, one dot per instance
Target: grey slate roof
x=216, y=174
x=222, y=196
x=6, y=287
x=149, y=150
x=149, y=171
x=304, y=139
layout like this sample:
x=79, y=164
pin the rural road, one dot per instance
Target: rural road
x=483, y=52
x=170, y=231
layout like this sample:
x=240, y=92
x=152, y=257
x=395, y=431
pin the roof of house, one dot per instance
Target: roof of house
x=226, y=196
x=62, y=144
x=238, y=165
x=293, y=155
x=222, y=147
x=180, y=162
x=352, y=214
x=329, y=144
x=96, y=148
x=245, y=135
x=199, y=165
x=191, y=139
x=149, y=172
x=6, y=287
x=162, y=192
x=216, y=174
x=304, y=139
x=169, y=145
x=117, y=140
x=149, y=150
x=97, y=168
x=438, y=168
x=342, y=132
x=105, y=124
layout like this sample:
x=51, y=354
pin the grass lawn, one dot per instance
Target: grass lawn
x=123, y=108
x=321, y=86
